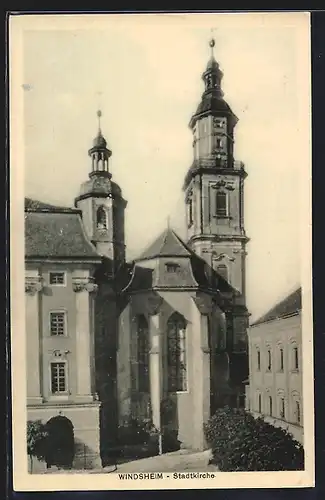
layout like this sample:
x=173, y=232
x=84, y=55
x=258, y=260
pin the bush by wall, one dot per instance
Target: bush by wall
x=36, y=441
x=240, y=442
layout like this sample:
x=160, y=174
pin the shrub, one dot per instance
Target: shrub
x=240, y=442
x=36, y=440
x=135, y=432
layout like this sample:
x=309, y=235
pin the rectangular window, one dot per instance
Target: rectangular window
x=259, y=403
x=58, y=378
x=172, y=267
x=221, y=204
x=258, y=360
x=57, y=278
x=281, y=359
x=57, y=323
x=270, y=406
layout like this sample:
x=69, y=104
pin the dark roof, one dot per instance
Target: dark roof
x=31, y=204
x=286, y=307
x=168, y=244
x=54, y=232
x=215, y=105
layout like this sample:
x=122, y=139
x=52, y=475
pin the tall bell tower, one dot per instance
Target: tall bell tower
x=214, y=184
x=102, y=204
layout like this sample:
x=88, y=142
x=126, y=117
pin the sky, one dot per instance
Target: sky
x=144, y=72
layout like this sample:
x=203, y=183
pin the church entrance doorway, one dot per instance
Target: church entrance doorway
x=60, y=443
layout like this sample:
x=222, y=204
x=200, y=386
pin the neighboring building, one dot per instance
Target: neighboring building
x=109, y=340
x=275, y=366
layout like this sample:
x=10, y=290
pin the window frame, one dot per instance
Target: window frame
x=65, y=322
x=59, y=394
x=172, y=267
x=225, y=213
x=64, y=273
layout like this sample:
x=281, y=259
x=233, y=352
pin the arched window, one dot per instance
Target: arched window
x=259, y=403
x=282, y=407
x=190, y=210
x=143, y=354
x=101, y=219
x=176, y=339
x=222, y=269
x=221, y=204
x=281, y=359
x=258, y=356
x=297, y=412
x=269, y=360
x=295, y=358
x=270, y=406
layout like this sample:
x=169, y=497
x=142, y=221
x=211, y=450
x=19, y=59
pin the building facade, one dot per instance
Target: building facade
x=109, y=340
x=275, y=366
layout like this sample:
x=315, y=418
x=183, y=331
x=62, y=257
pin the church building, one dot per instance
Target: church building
x=108, y=339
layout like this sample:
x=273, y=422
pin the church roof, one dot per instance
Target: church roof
x=55, y=232
x=286, y=307
x=168, y=244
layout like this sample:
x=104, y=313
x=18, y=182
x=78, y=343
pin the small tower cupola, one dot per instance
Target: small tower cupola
x=100, y=154
x=213, y=75
x=102, y=204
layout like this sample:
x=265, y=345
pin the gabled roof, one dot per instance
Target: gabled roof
x=286, y=307
x=55, y=232
x=168, y=244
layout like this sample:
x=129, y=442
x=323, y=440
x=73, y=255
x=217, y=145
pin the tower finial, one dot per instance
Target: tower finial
x=99, y=114
x=212, y=42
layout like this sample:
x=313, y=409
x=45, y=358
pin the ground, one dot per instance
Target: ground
x=179, y=461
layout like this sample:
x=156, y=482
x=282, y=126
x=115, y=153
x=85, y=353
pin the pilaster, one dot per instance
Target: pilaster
x=155, y=362
x=201, y=308
x=83, y=286
x=33, y=286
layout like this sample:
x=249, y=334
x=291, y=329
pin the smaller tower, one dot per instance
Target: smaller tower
x=102, y=204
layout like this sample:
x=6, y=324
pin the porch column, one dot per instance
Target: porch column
x=33, y=286
x=155, y=363
x=201, y=308
x=83, y=286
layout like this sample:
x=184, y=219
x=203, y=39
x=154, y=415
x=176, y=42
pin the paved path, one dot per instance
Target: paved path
x=179, y=461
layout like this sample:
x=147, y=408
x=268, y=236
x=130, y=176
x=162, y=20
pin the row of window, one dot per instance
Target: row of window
x=294, y=359
x=176, y=354
x=221, y=206
x=269, y=409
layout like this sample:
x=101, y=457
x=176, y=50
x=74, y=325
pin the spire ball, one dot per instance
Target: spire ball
x=99, y=113
x=212, y=43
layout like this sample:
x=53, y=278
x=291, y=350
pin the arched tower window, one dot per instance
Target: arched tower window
x=222, y=269
x=101, y=218
x=143, y=353
x=176, y=341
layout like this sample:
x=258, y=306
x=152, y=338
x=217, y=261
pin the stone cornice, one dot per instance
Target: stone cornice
x=84, y=285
